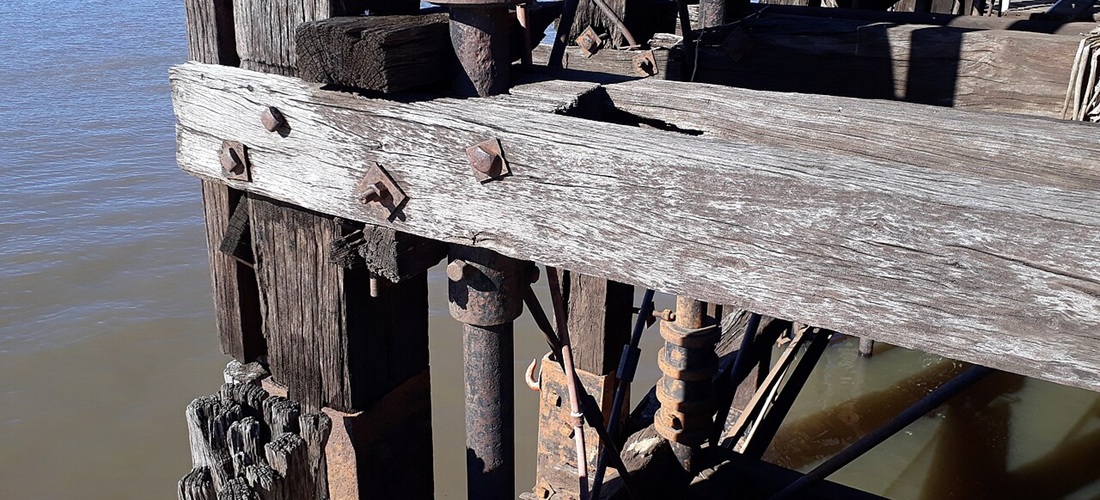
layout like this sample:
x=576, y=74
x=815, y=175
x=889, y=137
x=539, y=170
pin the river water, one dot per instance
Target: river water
x=106, y=321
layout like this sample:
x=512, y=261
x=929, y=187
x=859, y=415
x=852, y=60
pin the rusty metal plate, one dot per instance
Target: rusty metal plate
x=645, y=64
x=488, y=161
x=589, y=41
x=378, y=189
x=234, y=160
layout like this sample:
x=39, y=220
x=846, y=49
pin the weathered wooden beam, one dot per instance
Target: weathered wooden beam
x=381, y=53
x=984, y=70
x=985, y=255
x=929, y=18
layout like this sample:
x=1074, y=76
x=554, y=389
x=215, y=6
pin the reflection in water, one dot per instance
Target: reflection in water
x=1005, y=437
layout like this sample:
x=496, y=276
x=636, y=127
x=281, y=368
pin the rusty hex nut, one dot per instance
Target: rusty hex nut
x=272, y=119
x=231, y=161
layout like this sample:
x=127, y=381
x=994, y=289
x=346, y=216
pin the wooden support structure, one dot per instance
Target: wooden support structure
x=598, y=317
x=983, y=70
x=974, y=232
x=885, y=220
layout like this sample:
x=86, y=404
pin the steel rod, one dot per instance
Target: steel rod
x=731, y=377
x=628, y=364
x=876, y=437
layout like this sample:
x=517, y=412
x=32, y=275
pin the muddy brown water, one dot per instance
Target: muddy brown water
x=106, y=322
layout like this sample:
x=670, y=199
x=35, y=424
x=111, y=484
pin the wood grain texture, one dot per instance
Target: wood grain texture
x=210, y=37
x=983, y=70
x=236, y=297
x=381, y=53
x=599, y=314
x=989, y=255
x=265, y=29
x=330, y=342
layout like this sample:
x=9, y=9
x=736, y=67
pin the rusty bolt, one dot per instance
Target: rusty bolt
x=374, y=192
x=665, y=315
x=484, y=161
x=457, y=270
x=272, y=119
x=231, y=161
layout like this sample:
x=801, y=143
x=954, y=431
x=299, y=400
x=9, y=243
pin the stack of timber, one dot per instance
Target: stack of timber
x=978, y=65
x=248, y=445
x=1083, y=94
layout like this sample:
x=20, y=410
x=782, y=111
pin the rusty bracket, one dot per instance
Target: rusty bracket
x=589, y=42
x=488, y=161
x=379, y=189
x=645, y=64
x=234, y=158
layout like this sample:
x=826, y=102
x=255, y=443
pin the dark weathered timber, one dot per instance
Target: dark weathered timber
x=934, y=19
x=736, y=475
x=599, y=314
x=984, y=70
x=379, y=53
x=288, y=454
x=614, y=62
x=245, y=443
x=265, y=28
x=281, y=415
x=196, y=485
x=237, y=241
x=315, y=430
x=210, y=32
x=237, y=489
x=267, y=483
x=236, y=298
x=331, y=343
x=208, y=421
x=386, y=253
x=969, y=245
x=637, y=16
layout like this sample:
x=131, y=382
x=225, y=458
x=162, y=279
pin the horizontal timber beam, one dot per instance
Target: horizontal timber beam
x=991, y=257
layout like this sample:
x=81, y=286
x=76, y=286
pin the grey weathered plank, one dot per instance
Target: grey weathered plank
x=983, y=70
x=992, y=260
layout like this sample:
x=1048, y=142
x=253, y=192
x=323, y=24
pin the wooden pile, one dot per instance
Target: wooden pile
x=1083, y=95
x=248, y=445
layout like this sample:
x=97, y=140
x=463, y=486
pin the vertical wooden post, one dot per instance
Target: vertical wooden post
x=598, y=317
x=339, y=349
x=210, y=39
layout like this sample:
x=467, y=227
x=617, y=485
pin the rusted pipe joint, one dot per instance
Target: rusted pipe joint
x=489, y=287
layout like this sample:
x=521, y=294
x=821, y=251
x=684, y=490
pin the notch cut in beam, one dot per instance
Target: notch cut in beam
x=993, y=260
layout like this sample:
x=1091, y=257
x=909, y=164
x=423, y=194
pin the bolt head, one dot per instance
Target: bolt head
x=272, y=119
x=487, y=160
x=456, y=270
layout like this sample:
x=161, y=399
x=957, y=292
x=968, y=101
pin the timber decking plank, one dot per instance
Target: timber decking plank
x=991, y=262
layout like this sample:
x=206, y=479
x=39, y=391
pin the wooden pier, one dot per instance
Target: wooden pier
x=925, y=179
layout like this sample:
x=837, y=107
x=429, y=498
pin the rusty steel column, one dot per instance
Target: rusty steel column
x=480, y=35
x=688, y=363
x=486, y=294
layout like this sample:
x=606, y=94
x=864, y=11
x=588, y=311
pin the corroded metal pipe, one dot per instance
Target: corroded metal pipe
x=486, y=294
x=688, y=364
x=479, y=34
